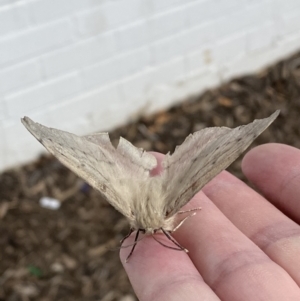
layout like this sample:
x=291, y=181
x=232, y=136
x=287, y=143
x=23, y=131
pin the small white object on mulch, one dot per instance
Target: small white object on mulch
x=50, y=203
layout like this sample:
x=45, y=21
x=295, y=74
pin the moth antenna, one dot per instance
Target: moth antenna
x=166, y=246
x=185, y=211
x=180, y=224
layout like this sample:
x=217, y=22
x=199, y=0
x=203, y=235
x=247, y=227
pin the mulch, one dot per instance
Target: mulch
x=65, y=254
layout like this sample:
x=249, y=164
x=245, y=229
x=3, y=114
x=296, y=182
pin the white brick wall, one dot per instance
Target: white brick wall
x=89, y=65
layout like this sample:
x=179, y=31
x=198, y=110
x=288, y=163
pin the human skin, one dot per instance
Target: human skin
x=241, y=247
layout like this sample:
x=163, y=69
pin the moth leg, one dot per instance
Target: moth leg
x=176, y=249
x=174, y=241
x=125, y=237
x=180, y=212
x=180, y=224
x=135, y=240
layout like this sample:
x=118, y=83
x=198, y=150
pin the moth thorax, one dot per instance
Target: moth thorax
x=149, y=221
x=153, y=223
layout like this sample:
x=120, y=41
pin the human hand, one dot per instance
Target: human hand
x=241, y=247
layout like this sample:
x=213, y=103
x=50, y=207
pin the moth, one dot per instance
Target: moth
x=122, y=175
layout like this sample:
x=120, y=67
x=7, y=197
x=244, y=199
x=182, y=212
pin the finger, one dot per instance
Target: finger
x=275, y=170
x=158, y=273
x=276, y=234
x=229, y=262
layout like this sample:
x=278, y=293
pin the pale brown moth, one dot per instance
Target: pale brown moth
x=122, y=174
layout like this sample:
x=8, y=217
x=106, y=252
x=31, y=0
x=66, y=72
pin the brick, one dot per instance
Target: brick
x=61, y=61
x=200, y=60
x=13, y=18
x=197, y=83
x=116, y=68
x=34, y=41
x=185, y=42
x=98, y=48
x=197, y=37
x=134, y=88
x=156, y=87
x=44, y=95
x=291, y=23
x=289, y=45
x=85, y=109
x=286, y=7
x=19, y=76
x=135, y=61
x=260, y=37
x=243, y=20
x=110, y=16
x=92, y=22
x=162, y=5
x=260, y=13
x=132, y=36
x=101, y=74
x=2, y=111
x=261, y=59
x=122, y=12
x=79, y=55
x=4, y=2
x=45, y=11
x=231, y=49
x=169, y=23
x=169, y=72
x=168, y=48
x=223, y=8
x=199, y=12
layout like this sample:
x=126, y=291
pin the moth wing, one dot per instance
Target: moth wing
x=100, y=165
x=137, y=161
x=202, y=156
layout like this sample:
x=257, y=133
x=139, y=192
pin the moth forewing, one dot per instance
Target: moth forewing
x=94, y=163
x=204, y=155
